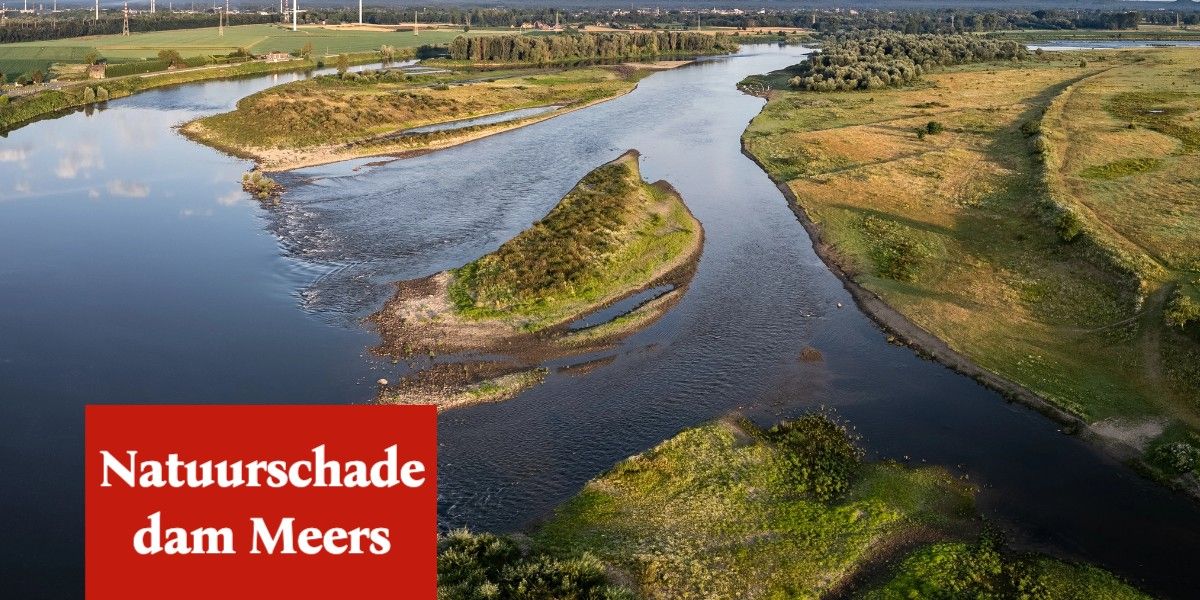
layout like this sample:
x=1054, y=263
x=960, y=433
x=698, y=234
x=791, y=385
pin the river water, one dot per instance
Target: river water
x=134, y=270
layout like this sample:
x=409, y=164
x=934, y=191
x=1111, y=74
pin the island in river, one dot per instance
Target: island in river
x=609, y=238
x=338, y=117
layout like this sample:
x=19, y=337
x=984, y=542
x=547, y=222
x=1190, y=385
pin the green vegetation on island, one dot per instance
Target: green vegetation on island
x=1045, y=232
x=611, y=236
x=730, y=510
x=332, y=118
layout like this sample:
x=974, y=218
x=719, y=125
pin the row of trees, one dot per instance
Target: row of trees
x=966, y=21
x=585, y=46
x=82, y=22
x=880, y=59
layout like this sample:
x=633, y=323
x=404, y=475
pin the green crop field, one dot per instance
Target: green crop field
x=26, y=56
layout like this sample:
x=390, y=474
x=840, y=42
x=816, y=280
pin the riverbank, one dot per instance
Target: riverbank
x=22, y=110
x=956, y=248
x=609, y=238
x=313, y=123
x=729, y=509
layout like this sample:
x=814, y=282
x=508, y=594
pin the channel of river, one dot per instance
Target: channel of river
x=133, y=269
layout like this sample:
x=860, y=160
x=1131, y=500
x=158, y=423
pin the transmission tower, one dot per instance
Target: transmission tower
x=125, y=25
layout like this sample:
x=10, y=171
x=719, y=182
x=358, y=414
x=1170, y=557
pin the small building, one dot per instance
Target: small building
x=274, y=57
x=96, y=71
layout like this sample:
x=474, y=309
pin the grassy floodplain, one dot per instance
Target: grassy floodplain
x=331, y=118
x=729, y=510
x=1043, y=224
x=21, y=57
x=611, y=236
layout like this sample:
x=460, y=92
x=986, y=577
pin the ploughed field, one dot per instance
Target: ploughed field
x=1039, y=216
x=333, y=118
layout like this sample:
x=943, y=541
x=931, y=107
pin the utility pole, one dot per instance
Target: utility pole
x=125, y=25
x=360, y=12
x=295, y=11
x=415, y=30
x=97, y=10
x=220, y=22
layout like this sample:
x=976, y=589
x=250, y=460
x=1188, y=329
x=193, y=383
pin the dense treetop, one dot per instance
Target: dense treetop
x=877, y=59
x=585, y=46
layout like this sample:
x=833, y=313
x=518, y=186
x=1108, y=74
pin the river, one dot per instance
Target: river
x=134, y=270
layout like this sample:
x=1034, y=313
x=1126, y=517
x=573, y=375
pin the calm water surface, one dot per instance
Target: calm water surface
x=133, y=269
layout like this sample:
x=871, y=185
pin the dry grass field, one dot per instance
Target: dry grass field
x=962, y=227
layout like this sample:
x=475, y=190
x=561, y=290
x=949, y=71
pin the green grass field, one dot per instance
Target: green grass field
x=25, y=56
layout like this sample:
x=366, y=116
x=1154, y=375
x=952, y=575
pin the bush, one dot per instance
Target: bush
x=1031, y=128
x=822, y=457
x=1069, y=226
x=934, y=127
x=487, y=566
x=1176, y=457
x=1184, y=308
x=101, y=94
x=260, y=186
x=896, y=253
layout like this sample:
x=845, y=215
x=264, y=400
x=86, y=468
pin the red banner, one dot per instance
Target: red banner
x=260, y=502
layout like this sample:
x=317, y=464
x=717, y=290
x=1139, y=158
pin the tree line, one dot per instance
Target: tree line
x=81, y=23
x=880, y=59
x=585, y=46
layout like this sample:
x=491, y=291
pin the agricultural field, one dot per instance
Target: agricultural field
x=22, y=57
x=730, y=510
x=1039, y=217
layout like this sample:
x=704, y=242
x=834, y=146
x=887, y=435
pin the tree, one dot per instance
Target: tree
x=171, y=57
x=306, y=50
x=90, y=57
x=38, y=76
x=343, y=64
x=89, y=95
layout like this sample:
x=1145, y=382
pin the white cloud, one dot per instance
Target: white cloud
x=80, y=156
x=13, y=155
x=128, y=189
x=192, y=212
x=230, y=198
